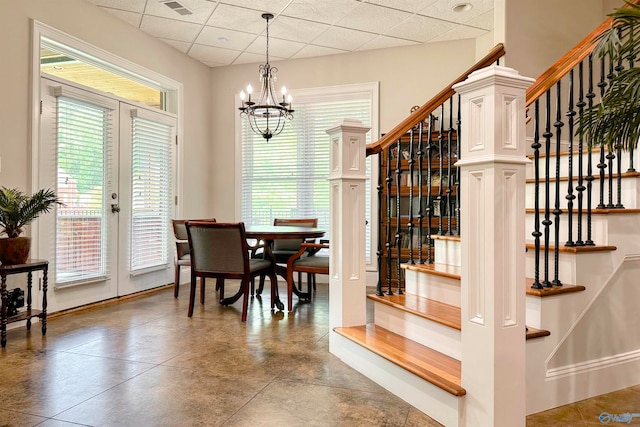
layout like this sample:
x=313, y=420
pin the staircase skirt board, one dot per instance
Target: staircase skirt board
x=437, y=403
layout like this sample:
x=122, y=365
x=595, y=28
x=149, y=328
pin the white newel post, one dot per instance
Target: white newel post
x=347, y=180
x=492, y=224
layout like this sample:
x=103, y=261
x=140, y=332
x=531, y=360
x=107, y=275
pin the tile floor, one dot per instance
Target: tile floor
x=143, y=362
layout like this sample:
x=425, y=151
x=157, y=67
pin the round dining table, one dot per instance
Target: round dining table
x=269, y=233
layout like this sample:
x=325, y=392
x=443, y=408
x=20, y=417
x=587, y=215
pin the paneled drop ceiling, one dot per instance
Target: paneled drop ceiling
x=226, y=32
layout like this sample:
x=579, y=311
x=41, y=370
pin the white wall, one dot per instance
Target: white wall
x=408, y=76
x=539, y=32
x=85, y=21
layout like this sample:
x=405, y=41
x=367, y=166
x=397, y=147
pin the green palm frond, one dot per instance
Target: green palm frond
x=18, y=209
x=615, y=121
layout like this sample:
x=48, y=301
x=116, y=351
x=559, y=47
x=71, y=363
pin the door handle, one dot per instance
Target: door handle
x=115, y=208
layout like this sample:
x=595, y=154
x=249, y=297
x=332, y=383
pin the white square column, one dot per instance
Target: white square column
x=347, y=180
x=492, y=229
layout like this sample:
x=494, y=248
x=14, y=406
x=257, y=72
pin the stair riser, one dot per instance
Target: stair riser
x=447, y=252
x=599, y=228
x=564, y=165
x=630, y=194
x=444, y=407
x=426, y=332
x=434, y=287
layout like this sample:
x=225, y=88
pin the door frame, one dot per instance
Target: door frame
x=107, y=60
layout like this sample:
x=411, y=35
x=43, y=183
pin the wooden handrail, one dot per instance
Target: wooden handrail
x=430, y=106
x=571, y=59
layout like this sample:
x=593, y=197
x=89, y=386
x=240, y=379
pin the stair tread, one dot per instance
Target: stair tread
x=536, y=333
x=437, y=269
x=574, y=249
x=436, y=311
x=595, y=211
x=554, y=290
x=432, y=366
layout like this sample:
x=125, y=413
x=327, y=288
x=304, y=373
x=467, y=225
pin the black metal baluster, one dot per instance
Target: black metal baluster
x=570, y=196
x=558, y=124
x=388, y=243
x=411, y=184
x=458, y=148
x=610, y=154
x=631, y=58
x=590, y=95
x=429, y=202
x=547, y=210
x=440, y=170
x=398, y=236
x=536, y=198
x=420, y=192
x=580, y=188
x=379, y=252
x=449, y=161
x=618, y=205
x=602, y=84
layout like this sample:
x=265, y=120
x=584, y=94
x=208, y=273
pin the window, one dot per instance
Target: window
x=287, y=176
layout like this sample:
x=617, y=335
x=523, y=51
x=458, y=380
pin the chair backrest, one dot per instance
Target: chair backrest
x=292, y=244
x=218, y=247
x=179, y=229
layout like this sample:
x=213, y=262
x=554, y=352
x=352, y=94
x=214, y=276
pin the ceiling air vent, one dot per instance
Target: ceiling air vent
x=176, y=7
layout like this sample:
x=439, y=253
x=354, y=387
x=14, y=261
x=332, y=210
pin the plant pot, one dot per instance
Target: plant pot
x=14, y=250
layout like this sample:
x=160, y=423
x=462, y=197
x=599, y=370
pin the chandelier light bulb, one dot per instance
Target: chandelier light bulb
x=242, y=95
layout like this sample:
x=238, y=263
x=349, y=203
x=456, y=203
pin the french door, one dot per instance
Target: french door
x=111, y=163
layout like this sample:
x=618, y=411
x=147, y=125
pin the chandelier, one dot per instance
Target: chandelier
x=266, y=116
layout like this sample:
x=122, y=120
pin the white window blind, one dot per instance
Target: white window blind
x=151, y=193
x=83, y=155
x=287, y=176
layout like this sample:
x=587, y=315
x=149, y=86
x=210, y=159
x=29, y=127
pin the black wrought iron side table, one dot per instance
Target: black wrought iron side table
x=28, y=267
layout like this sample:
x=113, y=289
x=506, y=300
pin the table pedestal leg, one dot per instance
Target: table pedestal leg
x=3, y=312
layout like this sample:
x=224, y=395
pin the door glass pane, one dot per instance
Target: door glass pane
x=83, y=134
x=151, y=193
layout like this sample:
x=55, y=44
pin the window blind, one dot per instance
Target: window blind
x=287, y=176
x=83, y=155
x=151, y=193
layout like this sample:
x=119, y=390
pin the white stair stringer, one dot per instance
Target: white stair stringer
x=571, y=364
x=432, y=286
x=440, y=405
x=424, y=331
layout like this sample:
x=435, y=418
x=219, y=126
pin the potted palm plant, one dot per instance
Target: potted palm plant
x=18, y=209
x=614, y=122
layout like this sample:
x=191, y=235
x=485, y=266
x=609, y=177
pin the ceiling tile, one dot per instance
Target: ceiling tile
x=131, y=18
x=237, y=18
x=213, y=54
x=484, y=21
x=128, y=5
x=169, y=29
x=325, y=11
x=383, y=42
x=277, y=47
x=443, y=9
x=460, y=32
x=201, y=10
x=271, y=6
x=420, y=28
x=343, y=38
x=225, y=38
x=181, y=46
x=373, y=18
x=406, y=5
x=295, y=29
x=249, y=58
x=311, y=50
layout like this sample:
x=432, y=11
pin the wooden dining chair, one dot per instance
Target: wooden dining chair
x=221, y=250
x=283, y=248
x=182, y=258
x=302, y=262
